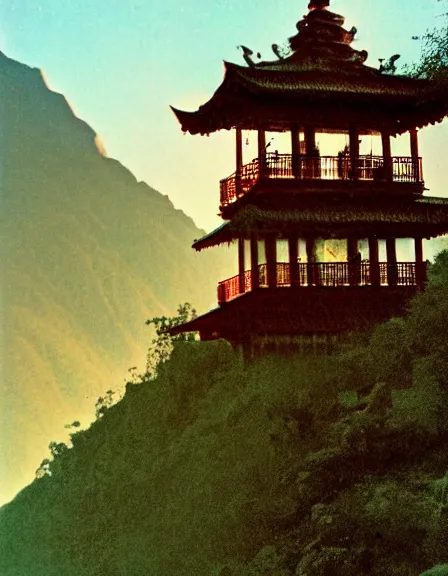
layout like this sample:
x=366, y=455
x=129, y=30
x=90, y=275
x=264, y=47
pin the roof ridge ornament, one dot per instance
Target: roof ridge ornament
x=318, y=4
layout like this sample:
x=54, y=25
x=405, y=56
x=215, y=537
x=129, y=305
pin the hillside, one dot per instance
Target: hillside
x=88, y=254
x=285, y=467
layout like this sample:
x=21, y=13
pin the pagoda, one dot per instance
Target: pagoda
x=337, y=218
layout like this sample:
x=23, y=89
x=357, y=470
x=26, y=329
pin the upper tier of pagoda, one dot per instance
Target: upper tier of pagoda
x=324, y=82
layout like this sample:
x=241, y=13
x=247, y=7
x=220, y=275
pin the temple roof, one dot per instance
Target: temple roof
x=426, y=215
x=322, y=66
x=292, y=77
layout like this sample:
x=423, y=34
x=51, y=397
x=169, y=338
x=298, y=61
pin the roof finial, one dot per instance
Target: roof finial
x=318, y=4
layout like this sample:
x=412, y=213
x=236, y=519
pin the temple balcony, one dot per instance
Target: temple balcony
x=323, y=172
x=324, y=275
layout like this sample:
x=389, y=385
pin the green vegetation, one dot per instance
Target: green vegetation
x=161, y=345
x=433, y=62
x=284, y=467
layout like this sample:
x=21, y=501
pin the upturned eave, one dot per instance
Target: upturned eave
x=427, y=216
x=251, y=98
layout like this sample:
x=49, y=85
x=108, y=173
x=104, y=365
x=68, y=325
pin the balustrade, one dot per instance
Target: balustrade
x=326, y=274
x=404, y=169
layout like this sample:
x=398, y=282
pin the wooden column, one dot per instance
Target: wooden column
x=392, y=272
x=271, y=260
x=295, y=152
x=354, y=152
x=375, y=279
x=312, y=161
x=310, y=140
x=262, y=152
x=312, y=275
x=414, y=154
x=294, y=271
x=352, y=259
x=241, y=265
x=239, y=160
x=414, y=142
x=387, y=155
x=255, y=273
x=420, y=268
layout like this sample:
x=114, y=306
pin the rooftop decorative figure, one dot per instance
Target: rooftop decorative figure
x=318, y=4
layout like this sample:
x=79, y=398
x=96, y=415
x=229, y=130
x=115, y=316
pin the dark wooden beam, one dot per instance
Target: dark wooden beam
x=375, y=279
x=391, y=250
x=312, y=161
x=354, y=151
x=262, y=151
x=312, y=272
x=387, y=155
x=271, y=260
x=310, y=140
x=352, y=249
x=420, y=267
x=255, y=274
x=414, y=153
x=241, y=265
x=293, y=260
x=414, y=142
x=295, y=151
x=239, y=160
x=354, y=262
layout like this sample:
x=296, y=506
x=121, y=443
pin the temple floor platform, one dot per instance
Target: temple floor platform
x=305, y=310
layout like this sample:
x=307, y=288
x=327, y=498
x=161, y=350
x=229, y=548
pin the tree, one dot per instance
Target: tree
x=433, y=62
x=104, y=403
x=162, y=345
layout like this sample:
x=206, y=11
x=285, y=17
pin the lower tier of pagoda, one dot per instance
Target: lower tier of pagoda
x=300, y=311
x=309, y=268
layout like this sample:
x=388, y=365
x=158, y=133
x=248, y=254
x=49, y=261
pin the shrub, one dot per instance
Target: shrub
x=161, y=346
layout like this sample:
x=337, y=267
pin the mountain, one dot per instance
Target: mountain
x=88, y=254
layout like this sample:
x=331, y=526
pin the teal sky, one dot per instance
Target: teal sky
x=120, y=63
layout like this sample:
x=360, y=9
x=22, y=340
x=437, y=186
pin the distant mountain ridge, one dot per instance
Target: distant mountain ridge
x=87, y=254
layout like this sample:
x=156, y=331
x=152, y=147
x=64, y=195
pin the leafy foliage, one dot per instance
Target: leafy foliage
x=434, y=59
x=161, y=346
x=433, y=62
x=440, y=488
x=44, y=469
x=75, y=424
x=57, y=448
x=104, y=403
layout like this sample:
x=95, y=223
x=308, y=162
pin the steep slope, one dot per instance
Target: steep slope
x=87, y=255
x=286, y=467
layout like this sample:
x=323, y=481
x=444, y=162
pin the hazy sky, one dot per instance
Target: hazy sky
x=120, y=63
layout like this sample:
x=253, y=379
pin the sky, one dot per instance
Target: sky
x=121, y=63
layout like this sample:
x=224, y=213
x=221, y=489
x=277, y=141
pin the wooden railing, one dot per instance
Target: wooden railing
x=402, y=169
x=229, y=289
x=329, y=274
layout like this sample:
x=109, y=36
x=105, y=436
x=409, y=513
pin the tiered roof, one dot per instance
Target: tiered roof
x=324, y=74
x=401, y=218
